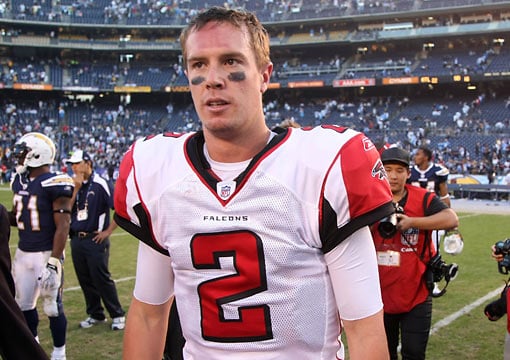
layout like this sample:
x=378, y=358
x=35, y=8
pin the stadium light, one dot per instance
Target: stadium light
x=428, y=46
x=498, y=42
x=362, y=50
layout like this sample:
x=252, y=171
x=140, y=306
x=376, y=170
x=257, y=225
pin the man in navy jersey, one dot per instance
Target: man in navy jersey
x=261, y=236
x=90, y=243
x=16, y=340
x=41, y=211
x=429, y=175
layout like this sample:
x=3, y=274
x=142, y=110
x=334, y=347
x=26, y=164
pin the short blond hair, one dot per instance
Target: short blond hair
x=240, y=19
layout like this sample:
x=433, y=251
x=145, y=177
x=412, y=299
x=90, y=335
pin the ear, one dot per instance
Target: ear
x=266, y=77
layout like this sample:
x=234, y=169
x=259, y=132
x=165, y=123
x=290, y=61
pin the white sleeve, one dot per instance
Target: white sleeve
x=355, y=276
x=154, y=276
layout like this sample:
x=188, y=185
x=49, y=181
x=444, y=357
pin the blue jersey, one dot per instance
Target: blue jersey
x=33, y=202
x=430, y=178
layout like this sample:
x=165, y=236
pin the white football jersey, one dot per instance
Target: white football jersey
x=247, y=255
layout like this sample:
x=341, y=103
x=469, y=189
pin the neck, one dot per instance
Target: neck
x=236, y=149
x=424, y=166
x=35, y=172
x=398, y=195
x=87, y=175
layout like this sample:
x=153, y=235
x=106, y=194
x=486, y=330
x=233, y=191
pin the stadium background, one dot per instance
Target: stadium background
x=98, y=74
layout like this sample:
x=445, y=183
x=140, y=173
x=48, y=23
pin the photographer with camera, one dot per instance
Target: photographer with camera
x=408, y=261
x=497, y=308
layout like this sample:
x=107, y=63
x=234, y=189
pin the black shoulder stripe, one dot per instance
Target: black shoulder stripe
x=338, y=235
x=141, y=232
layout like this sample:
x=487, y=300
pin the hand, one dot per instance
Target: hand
x=101, y=236
x=78, y=179
x=497, y=257
x=497, y=308
x=404, y=222
x=51, y=275
x=494, y=310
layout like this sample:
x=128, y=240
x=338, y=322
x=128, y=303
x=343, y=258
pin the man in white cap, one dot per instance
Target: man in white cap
x=90, y=245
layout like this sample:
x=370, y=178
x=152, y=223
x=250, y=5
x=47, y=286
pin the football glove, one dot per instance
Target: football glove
x=51, y=275
x=50, y=305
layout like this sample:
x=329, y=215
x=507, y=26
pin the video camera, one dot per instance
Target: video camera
x=388, y=226
x=503, y=248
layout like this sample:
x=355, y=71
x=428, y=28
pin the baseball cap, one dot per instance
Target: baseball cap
x=397, y=155
x=79, y=156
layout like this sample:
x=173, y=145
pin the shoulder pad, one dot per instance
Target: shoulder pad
x=442, y=170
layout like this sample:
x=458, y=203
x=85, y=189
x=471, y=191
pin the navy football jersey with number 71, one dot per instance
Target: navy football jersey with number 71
x=33, y=203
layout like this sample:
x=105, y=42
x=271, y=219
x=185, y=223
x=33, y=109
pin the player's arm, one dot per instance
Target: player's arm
x=144, y=321
x=62, y=217
x=353, y=269
x=444, y=219
x=147, y=319
x=443, y=193
x=366, y=338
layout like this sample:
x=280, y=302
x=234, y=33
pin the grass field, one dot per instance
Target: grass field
x=460, y=330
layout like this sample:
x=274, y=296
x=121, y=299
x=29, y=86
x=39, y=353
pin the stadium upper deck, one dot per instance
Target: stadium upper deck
x=359, y=43
x=158, y=13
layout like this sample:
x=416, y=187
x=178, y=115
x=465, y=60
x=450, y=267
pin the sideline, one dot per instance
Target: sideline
x=466, y=309
x=120, y=233
x=74, y=288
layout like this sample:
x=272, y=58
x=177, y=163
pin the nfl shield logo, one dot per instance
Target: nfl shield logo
x=225, y=191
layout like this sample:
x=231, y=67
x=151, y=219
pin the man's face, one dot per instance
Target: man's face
x=397, y=176
x=79, y=168
x=420, y=158
x=226, y=83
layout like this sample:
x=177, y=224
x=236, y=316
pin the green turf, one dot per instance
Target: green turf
x=470, y=336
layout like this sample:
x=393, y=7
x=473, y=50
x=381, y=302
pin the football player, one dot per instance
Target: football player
x=16, y=340
x=41, y=211
x=263, y=237
x=430, y=175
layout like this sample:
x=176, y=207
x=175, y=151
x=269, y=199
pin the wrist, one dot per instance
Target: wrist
x=53, y=260
x=54, y=264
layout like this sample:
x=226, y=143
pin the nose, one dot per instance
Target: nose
x=215, y=78
x=214, y=85
x=391, y=174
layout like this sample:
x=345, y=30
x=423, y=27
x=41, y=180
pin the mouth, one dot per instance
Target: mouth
x=214, y=103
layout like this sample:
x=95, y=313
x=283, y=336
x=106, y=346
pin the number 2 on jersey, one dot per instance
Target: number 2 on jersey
x=246, y=251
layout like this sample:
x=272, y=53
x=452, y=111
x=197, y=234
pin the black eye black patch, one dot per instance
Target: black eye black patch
x=197, y=80
x=237, y=76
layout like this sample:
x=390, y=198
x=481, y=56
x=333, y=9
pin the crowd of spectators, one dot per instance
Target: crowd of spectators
x=176, y=12
x=376, y=63
x=479, y=146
